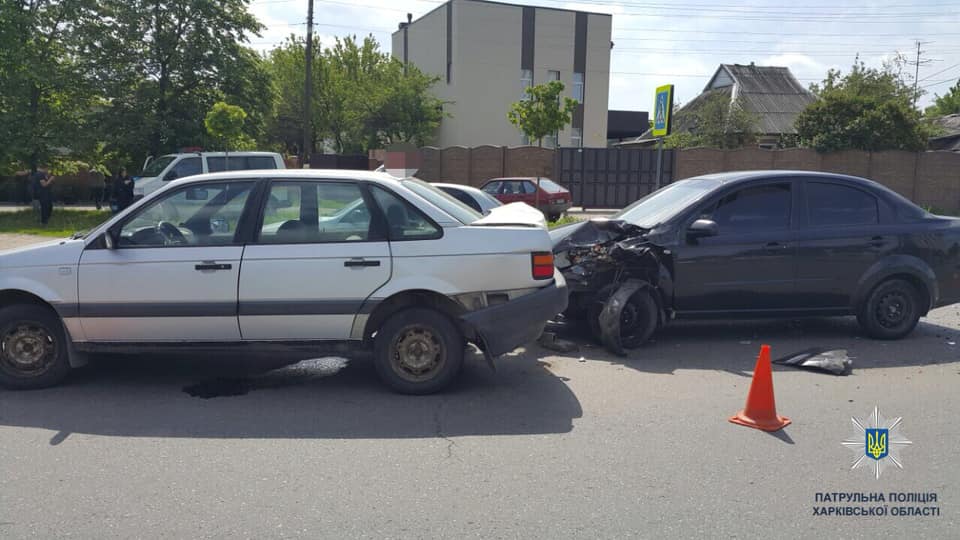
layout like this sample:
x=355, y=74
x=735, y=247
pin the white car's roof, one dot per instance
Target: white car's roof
x=237, y=153
x=339, y=174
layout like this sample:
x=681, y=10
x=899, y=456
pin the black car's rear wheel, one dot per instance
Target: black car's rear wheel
x=33, y=347
x=891, y=311
x=418, y=351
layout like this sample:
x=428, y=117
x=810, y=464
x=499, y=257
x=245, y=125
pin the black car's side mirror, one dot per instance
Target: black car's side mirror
x=703, y=228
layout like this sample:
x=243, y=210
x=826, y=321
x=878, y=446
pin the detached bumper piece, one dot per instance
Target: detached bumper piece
x=504, y=327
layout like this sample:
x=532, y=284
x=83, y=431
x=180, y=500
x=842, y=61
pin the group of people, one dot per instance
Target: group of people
x=115, y=191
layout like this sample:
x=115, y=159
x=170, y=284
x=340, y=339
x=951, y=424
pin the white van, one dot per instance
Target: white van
x=163, y=169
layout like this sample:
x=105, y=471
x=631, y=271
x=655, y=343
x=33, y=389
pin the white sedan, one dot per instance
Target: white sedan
x=315, y=261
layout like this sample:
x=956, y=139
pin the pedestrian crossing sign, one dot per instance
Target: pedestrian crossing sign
x=663, y=111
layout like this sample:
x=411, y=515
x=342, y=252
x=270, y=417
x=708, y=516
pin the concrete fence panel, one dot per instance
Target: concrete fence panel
x=487, y=162
x=455, y=164
x=429, y=164
x=529, y=161
x=697, y=161
x=748, y=159
x=894, y=169
x=852, y=162
x=938, y=184
x=796, y=159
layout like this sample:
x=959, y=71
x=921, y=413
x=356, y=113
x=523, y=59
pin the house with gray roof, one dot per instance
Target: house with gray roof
x=771, y=94
x=949, y=137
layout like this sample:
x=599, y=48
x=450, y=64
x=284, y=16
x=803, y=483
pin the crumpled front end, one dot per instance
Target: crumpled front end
x=619, y=280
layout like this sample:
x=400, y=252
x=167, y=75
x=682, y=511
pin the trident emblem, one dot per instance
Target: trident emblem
x=876, y=443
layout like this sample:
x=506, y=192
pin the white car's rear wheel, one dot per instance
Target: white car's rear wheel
x=418, y=351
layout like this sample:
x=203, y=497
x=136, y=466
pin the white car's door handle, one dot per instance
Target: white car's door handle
x=212, y=266
x=360, y=263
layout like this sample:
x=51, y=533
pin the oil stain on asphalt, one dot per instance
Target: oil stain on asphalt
x=299, y=373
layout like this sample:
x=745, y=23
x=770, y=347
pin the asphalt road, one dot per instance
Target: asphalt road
x=582, y=445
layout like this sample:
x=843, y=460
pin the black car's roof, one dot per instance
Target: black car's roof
x=735, y=177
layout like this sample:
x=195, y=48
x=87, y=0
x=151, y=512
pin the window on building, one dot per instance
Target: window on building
x=553, y=75
x=526, y=81
x=578, y=87
x=550, y=141
x=576, y=137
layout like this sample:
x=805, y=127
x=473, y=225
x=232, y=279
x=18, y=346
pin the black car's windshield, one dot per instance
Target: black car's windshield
x=662, y=204
x=155, y=167
x=461, y=212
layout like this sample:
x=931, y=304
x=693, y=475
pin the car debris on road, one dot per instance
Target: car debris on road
x=828, y=361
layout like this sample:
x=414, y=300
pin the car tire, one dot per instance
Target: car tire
x=418, y=351
x=33, y=348
x=891, y=311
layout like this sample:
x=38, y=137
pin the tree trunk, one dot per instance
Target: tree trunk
x=34, y=158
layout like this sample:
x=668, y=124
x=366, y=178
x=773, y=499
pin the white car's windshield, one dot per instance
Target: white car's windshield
x=461, y=212
x=662, y=204
x=155, y=167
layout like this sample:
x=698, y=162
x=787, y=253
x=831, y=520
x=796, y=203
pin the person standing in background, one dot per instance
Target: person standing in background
x=43, y=188
x=123, y=189
x=96, y=181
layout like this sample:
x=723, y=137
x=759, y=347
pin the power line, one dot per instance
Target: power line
x=939, y=72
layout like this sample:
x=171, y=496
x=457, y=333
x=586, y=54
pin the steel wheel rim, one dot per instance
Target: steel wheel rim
x=27, y=349
x=892, y=309
x=417, y=354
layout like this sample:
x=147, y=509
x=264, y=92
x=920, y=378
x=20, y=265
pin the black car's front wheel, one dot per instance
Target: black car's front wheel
x=891, y=311
x=418, y=351
x=33, y=348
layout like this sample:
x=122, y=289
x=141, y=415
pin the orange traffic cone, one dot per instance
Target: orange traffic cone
x=761, y=409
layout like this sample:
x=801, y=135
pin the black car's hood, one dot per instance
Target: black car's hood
x=593, y=232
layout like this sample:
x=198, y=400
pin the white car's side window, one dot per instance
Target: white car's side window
x=403, y=220
x=204, y=215
x=315, y=212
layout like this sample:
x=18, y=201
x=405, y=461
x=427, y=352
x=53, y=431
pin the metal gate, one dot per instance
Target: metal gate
x=611, y=177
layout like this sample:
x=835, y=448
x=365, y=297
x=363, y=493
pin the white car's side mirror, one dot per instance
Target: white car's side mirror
x=108, y=240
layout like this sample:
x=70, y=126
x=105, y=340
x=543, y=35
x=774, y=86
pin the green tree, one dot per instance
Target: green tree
x=543, y=112
x=164, y=63
x=948, y=103
x=224, y=122
x=866, y=109
x=362, y=98
x=714, y=121
x=45, y=95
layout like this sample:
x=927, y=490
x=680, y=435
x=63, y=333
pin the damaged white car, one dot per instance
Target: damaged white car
x=312, y=261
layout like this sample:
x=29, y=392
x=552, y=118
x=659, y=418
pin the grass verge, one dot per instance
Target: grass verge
x=564, y=220
x=62, y=222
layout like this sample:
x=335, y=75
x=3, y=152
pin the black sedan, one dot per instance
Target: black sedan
x=760, y=244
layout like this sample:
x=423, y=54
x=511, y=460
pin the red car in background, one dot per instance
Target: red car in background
x=553, y=199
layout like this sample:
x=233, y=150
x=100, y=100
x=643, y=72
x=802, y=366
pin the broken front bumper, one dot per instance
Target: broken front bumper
x=504, y=327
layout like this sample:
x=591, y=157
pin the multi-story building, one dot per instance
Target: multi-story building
x=487, y=53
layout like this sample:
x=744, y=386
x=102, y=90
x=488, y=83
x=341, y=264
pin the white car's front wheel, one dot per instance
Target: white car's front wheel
x=33, y=347
x=418, y=351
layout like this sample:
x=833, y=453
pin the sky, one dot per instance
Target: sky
x=658, y=42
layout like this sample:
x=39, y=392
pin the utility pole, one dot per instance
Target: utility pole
x=307, y=92
x=916, y=74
